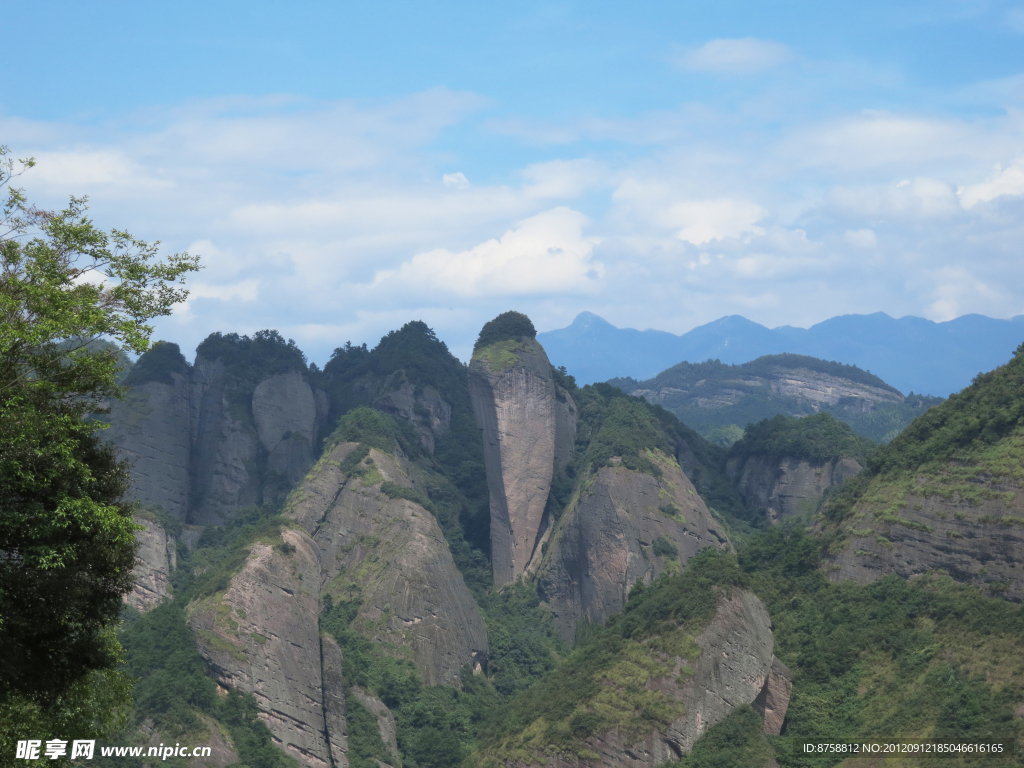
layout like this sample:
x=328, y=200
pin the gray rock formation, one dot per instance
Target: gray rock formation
x=334, y=700
x=515, y=404
x=622, y=527
x=977, y=541
x=393, y=552
x=154, y=561
x=262, y=636
x=429, y=413
x=152, y=428
x=201, y=448
x=788, y=487
x=773, y=700
x=385, y=720
x=731, y=669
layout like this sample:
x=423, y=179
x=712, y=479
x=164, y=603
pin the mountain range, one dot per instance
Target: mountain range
x=911, y=353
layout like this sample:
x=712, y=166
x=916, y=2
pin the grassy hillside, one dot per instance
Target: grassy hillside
x=960, y=448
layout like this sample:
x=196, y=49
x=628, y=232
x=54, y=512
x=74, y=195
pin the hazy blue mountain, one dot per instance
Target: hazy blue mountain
x=911, y=353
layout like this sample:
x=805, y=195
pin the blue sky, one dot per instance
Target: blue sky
x=344, y=168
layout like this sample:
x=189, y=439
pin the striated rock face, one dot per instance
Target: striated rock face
x=515, y=405
x=151, y=427
x=429, y=414
x=624, y=526
x=977, y=541
x=392, y=552
x=773, y=700
x=734, y=663
x=262, y=636
x=201, y=447
x=155, y=559
x=789, y=486
x=385, y=720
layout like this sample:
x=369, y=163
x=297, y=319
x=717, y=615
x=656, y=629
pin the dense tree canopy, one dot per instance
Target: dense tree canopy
x=66, y=535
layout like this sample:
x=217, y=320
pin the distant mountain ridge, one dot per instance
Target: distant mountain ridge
x=911, y=353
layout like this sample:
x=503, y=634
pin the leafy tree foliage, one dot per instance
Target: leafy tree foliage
x=66, y=537
x=817, y=438
x=507, y=325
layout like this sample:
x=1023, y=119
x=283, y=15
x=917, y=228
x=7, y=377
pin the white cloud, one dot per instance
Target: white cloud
x=563, y=178
x=909, y=199
x=456, y=180
x=735, y=56
x=702, y=221
x=861, y=238
x=1009, y=181
x=546, y=253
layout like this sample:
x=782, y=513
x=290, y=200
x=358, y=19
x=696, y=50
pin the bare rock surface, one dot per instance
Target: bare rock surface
x=612, y=535
x=334, y=700
x=151, y=428
x=284, y=405
x=154, y=561
x=773, y=700
x=262, y=636
x=978, y=541
x=385, y=720
x=514, y=402
x=422, y=406
x=788, y=487
x=393, y=552
x=733, y=665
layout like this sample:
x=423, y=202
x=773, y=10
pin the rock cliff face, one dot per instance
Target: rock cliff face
x=392, y=552
x=729, y=664
x=202, y=446
x=519, y=412
x=262, y=636
x=789, y=486
x=155, y=559
x=429, y=414
x=624, y=526
x=152, y=428
x=976, y=541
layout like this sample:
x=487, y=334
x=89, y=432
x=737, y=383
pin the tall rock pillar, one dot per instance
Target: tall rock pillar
x=514, y=401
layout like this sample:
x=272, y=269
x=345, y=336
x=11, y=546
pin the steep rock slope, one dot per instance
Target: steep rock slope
x=945, y=495
x=518, y=409
x=155, y=559
x=789, y=486
x=389, y=552
x=237, y=428
x=783, y=466
x=642, y=690
x=718, y=400
x=261, y=636
x=152, y=429
x=624, y=526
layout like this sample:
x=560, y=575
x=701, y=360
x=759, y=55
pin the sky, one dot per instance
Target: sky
x=345, y=168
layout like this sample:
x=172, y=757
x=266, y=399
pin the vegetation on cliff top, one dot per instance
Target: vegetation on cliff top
x=955, y=444
x=703, y=395
x=506, y=326
x=157, y=364
x=818, y=438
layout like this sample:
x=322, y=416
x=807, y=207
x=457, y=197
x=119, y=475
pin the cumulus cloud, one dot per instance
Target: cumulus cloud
x=735, y=56
x=1008, y=181
x=456, y=180
x=546, y=253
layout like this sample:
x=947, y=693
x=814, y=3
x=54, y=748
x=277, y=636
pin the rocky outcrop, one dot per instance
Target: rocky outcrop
x=392, y=552
x=622, y=527
x=728, y=664
x=976, y=539
x=202, y=444
x=518, y=410
x=222, y=751
x=789, y=486
x=773, y=700
x=385, y=720
x=422, y=406
x=154, y=561
x=262, y=636
x=151, y=427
